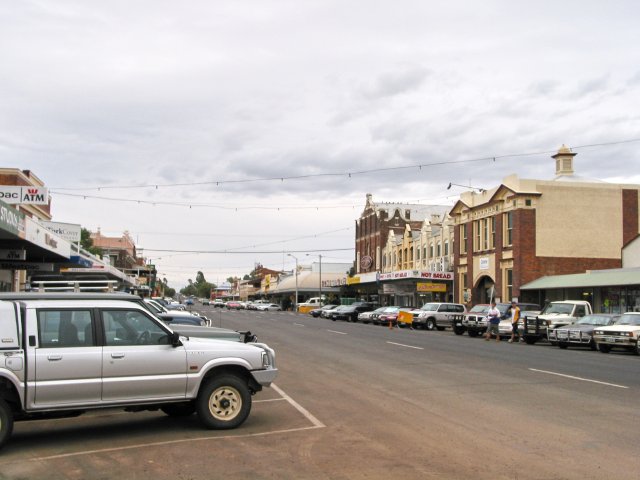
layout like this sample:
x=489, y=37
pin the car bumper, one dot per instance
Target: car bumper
x=265, y=377
x=616, y=341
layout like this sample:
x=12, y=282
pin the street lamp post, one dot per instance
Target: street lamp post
x=320, y=277
x=296, y=300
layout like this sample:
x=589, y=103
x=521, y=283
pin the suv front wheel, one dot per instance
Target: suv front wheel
x=430, y=324
x=224, y=402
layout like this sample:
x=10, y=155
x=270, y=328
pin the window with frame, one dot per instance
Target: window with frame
x=446, y=248
x=508, y=277
x=492, y=238
x=431, y=251
x=438, y=249
x=484, y=225
x=508, y=228
x=477, y=235
x=65, y=328
x=463, y=238
x=132, y=327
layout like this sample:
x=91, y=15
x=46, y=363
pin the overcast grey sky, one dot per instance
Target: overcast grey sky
x=136, y=93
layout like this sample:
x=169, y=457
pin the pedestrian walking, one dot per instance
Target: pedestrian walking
x=493, y=327
x=515, y=318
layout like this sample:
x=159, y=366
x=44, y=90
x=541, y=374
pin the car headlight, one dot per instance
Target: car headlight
x=266, y=360
x=598, y=332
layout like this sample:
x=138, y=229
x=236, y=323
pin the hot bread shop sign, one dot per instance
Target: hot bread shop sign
x=416, y=274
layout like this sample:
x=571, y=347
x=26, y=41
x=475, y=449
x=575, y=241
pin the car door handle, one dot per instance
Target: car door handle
x=54, y=358
x=117, y=355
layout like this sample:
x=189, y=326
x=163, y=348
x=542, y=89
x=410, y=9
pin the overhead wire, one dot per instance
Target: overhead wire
x=348, y=174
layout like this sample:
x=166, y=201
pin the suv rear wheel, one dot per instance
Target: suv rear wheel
x=6, y=422
x=224, y=402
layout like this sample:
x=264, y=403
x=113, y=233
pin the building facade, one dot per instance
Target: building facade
x=525, y=229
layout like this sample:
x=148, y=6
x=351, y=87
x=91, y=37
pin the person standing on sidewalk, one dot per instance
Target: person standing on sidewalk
x=515, y=317
x=493, y=327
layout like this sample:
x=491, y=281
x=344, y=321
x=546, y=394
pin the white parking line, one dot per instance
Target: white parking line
x=339, y=333
x=577, y=378
x=314, y=422
x=407, y=346
x=299, y=325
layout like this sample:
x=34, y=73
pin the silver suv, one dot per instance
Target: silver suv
x=434, y=315
x=76, y=354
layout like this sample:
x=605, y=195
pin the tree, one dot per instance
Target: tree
x=87, y=243
x=200, y=288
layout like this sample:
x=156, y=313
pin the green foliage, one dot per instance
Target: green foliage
x=87, y=243
x=200, y=288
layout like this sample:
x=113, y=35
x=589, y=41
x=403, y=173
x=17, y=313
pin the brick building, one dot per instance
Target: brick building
x=525, y=229
x=375, y=223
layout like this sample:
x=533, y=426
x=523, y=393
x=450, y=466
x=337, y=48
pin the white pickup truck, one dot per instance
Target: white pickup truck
x=63, y=355
x=553, y=315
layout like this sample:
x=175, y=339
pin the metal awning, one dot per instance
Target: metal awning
x=596, y=278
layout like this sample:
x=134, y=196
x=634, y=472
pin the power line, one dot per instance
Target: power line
x=263, y=252
x=348, y=174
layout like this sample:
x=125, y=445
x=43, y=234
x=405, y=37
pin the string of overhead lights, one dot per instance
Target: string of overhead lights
x=347, y=174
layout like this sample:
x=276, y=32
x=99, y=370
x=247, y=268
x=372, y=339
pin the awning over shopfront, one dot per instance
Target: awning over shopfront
x=595, y=278
x=309, y=282
x=28, y=242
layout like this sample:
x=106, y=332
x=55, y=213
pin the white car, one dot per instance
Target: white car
x=622, y=334
x=268, y=307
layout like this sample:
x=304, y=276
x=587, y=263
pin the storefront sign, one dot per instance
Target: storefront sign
x=363, y=278
x=334, y=283
x=366, y=262
x=484, y=263
x=417, y=274
x=31, y=195
x=15, y=254
x=69, y=231
x=29, y=266
x=40, y=236
x=11, y=220
x=431, y=287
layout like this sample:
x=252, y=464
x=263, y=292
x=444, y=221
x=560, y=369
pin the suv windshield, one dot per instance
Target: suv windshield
x=430, y=307
x=561, y=308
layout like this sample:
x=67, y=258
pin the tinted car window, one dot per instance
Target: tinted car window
x=132, y=327
x=65, y=328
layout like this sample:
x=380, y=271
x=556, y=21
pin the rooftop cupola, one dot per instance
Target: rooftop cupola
x=564, y=161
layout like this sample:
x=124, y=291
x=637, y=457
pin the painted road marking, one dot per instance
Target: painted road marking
x=339, y=333
x=406, y=346
x=315, y=424
x=577, y=378
x=299, y=325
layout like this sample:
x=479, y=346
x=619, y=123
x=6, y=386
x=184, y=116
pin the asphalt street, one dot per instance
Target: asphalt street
x=356, y=401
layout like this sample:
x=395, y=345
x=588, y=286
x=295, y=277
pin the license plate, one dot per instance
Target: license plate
x=458, y=324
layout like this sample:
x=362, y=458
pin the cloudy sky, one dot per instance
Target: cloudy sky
x=260, y=126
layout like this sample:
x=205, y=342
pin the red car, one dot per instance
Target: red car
x=233, y=305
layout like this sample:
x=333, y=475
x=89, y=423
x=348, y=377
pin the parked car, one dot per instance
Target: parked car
x=205, y=301
x=327, y=313
x=376, y=317
x=554, y=315
x=475, y=320
x=268, y=307
x=218, y=303
x=178, y=318
x=158, y=371
x=438, y=315
x=392, y=316
x=233, y=305
x=581, y=332
x=477, y=324
x=350, y=312
x=622, y=334
x=366, y=317
x=317, y=312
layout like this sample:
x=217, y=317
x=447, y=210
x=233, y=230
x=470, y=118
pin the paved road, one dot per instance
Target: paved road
x=357, y=401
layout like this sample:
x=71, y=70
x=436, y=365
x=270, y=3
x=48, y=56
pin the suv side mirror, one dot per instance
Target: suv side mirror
x=174, y=338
